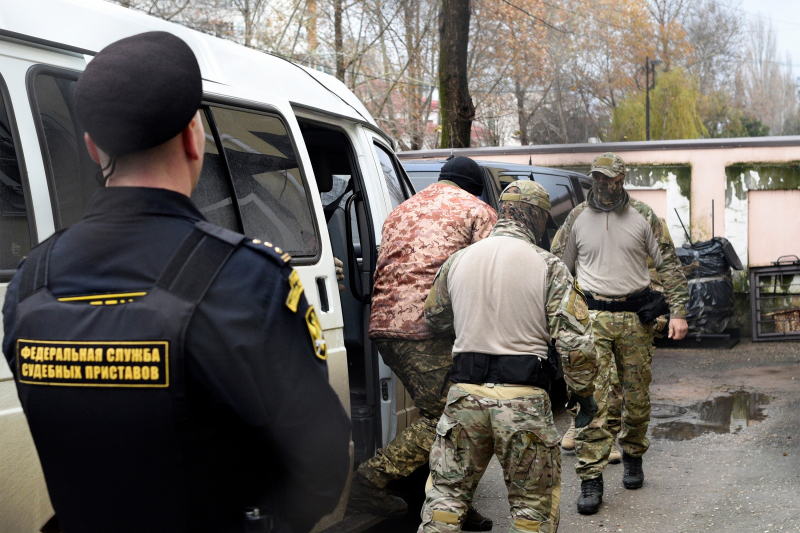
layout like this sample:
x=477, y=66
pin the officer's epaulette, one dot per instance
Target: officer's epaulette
x=270, y=250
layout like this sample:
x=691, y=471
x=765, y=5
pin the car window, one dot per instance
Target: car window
x=420, y=180
x=71, y=173
x=213, y=193
x=270, y=189
x=390, y=176
x=15, y=237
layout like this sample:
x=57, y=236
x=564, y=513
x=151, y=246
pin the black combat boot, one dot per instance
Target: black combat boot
x=367, y=497
x=475, y=521
x=634, y=475
x=591, y=495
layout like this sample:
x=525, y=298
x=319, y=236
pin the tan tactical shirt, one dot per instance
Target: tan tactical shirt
x=608, y=251
x=548, y=304
x=418, y=236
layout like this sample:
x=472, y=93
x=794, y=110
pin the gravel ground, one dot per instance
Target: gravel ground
x=737, y=469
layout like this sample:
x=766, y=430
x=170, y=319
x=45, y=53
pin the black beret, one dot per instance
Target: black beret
x=139, y=92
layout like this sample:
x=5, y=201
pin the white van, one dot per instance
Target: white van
x=292, y=157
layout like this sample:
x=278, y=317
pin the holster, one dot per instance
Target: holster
x=479, y=368
x=647, y=304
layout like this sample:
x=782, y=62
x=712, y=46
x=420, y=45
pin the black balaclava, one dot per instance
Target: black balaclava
x=465, y=173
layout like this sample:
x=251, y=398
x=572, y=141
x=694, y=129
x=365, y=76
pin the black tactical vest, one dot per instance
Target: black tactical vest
x=102, y=382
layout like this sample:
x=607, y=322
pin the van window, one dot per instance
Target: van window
x=213, y=192
x=15, y=237
x=71, y=172
x=390, y=176
x=270, y=189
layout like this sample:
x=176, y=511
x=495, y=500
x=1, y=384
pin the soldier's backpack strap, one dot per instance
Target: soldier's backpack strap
x=35, y=271
x=198, y=260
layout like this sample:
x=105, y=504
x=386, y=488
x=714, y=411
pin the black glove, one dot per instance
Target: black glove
x=657, y=307
x=587, y=411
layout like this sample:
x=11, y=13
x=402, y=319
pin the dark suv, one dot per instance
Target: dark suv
x=566, y=188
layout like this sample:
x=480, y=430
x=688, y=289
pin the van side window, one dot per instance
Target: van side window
x=213, y=192
x=270, y=189
x=70, y=170
x=15, y=237
x=390, y=176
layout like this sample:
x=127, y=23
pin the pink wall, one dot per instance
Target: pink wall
x=708, y=173
x=773, y=225
x=655, y=198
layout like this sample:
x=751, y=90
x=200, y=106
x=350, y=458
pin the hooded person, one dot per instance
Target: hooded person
x=606, y=242
x=507, y=300
x=417, y=237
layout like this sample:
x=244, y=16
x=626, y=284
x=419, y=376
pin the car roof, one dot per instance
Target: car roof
x=435, y=165
x=84, y=27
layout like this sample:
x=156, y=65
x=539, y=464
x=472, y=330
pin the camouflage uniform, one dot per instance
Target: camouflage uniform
x=615, y=390
x=513, y=422
x=418, y=236
x=622, y=341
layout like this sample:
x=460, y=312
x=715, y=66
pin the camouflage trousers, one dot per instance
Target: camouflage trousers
x=623, y=344
x=521, y=433
x=421, y=366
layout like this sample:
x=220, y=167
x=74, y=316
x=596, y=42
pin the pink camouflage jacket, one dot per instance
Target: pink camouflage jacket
x=418, y=237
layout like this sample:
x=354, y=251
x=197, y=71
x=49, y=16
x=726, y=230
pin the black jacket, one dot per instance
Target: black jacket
x=252, y=376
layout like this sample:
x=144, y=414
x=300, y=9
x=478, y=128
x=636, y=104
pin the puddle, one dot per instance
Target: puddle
x=724, y=414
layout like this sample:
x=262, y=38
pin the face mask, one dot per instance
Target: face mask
x=609, y=194
x=533, y=217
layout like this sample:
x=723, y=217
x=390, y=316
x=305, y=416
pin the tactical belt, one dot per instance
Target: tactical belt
x=479, y=368
x=631, y=304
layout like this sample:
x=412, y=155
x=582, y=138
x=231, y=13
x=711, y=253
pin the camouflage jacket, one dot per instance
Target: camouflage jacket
x=565, y=307
x=418, y=236
x=670, y=271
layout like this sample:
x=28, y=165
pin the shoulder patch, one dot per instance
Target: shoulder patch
x=577, y=305
x=315, y=330
x=295, y=291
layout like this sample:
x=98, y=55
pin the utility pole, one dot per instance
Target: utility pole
x=649, y=66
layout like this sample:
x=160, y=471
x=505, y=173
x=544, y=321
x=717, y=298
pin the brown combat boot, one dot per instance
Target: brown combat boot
x=568, y=440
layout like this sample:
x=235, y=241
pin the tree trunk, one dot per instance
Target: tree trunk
x=519, y=91
x=311, y=28
x=338, y=39
x=457, y=109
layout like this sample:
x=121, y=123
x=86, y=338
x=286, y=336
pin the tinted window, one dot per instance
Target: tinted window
x=390, y=176
x=213, y=193
x=72, y=173
x=15, y=239
x=270, y=188
x=420, y=180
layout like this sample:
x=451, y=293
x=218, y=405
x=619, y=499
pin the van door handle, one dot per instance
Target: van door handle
x=322, y=289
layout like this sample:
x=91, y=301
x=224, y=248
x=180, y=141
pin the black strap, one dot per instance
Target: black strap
x=479, y=368
x=35, y=271
x=330, y=209
x=198, y=260
x=632, y=304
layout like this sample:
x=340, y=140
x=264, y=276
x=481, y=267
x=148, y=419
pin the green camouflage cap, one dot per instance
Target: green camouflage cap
x=609, y=164
x=530, y=193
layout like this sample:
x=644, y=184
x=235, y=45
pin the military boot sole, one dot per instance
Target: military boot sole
x=368, y=508
x=632, y=484
x=588, y=508
x=485, y=525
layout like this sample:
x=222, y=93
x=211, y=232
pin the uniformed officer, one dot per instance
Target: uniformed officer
x=506, y=299
x=606, y=241
x=172, y=372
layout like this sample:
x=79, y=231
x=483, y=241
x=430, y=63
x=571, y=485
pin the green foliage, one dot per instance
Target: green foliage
x=754, y=127
x=720, y=116
x=673, y=111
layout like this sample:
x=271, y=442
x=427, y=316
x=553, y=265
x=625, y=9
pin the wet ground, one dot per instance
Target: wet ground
x=724, y=454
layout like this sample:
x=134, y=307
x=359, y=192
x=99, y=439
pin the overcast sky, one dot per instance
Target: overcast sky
x=785, y=16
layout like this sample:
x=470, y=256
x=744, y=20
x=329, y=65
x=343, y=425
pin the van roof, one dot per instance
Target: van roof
x=87, y=26
x=435, y=165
